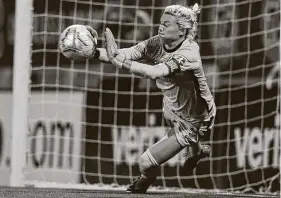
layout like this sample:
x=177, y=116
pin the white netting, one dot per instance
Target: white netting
x=90, y=123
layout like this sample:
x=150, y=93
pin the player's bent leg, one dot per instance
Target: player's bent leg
x=152, y=158
x=149, y=169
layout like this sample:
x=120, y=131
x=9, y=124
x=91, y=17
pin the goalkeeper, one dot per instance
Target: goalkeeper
x=188, y=105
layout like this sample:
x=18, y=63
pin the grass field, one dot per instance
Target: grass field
x=7, y=192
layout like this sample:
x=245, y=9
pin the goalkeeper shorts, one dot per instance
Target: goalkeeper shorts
x=188, y=131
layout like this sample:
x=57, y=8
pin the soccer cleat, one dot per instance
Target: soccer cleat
x=192, y=162
x=140, y=185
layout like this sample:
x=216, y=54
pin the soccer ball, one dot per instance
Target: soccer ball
x=77, y=43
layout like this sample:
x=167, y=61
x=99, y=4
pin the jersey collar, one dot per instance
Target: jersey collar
x=174, y=49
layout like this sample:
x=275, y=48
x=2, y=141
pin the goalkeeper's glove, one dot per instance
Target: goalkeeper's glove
x=112, y=50
x=94, y=38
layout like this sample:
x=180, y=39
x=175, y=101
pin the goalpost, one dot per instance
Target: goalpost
x=87, y=123
x=21, y=80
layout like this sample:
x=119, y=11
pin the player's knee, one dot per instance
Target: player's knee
x=147, y=162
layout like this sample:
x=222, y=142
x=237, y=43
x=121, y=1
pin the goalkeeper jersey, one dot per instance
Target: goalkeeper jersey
x=185, y=89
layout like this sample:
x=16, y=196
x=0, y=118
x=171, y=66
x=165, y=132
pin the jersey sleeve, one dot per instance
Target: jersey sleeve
x=135, y=52
x=140, y=50
x=184, y=59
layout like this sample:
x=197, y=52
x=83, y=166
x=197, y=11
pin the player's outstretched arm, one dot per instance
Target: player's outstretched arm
x=140, y=69
x=132, y=53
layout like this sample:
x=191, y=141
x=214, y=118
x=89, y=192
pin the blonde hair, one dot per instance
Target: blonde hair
x=186, y=17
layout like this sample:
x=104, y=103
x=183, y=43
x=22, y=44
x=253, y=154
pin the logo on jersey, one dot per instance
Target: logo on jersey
x=176, y=62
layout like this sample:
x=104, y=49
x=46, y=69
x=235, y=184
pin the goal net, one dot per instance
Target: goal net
x=89, y=123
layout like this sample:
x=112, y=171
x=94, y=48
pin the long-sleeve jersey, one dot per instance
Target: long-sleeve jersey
x=185, y=89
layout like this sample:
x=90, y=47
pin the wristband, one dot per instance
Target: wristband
x=97, y=54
